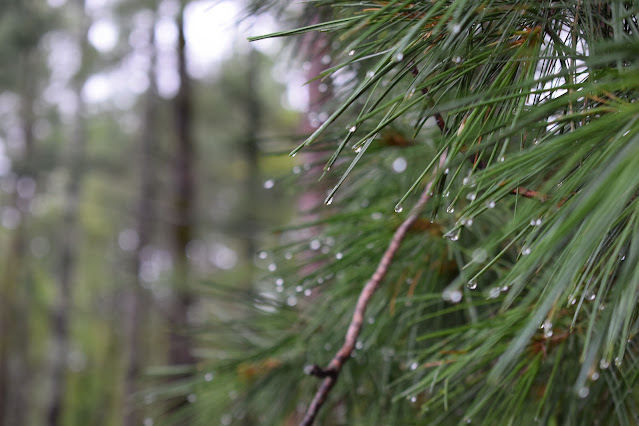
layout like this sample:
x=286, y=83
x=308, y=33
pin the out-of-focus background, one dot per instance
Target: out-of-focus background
x=138, y=173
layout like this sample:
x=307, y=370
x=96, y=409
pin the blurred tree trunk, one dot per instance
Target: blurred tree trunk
x=69, y=239
x=136, y=303
x=184, y=206
x=15, y=368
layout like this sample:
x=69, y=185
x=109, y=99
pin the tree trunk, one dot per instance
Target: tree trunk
x=184, y=199
x=69, y=239
x=136, y=303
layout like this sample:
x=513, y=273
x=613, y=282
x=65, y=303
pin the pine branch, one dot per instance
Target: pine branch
x=331, y=373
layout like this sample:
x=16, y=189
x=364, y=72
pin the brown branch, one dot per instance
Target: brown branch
x=331, y=373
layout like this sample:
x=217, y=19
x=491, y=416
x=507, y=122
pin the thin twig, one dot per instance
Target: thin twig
x=331, y=372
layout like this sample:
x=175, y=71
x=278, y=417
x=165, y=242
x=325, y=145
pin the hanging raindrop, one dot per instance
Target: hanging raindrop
x=399, y=208
x=472, y=284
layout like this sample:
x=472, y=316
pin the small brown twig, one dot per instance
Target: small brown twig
x=331, y=372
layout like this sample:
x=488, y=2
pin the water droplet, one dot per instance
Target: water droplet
x=446, y=171
x=413, y=399
x=326, y=59
x=329, y=201
x=505, y=288
x=269, y=184
x=352, y=129
x=299, y=288
x=450, y=208
x=494, y=292
x=547, y=327
x=399, y=209
x=208, y=377
x=263, y=255
x=573, y=300
x=471, y=196
x=297, y=170
x=583, y=392
x=526, y=251
x=455, y=28
x=370, y=74
x=455, y=296
x=291, y=301
x=359, y=345
x=191, y=398
x=148, y=421
x=469, y=222
x=472, y=284
x=351, y=53
x=457, y=59
x=414, y=365
x=399, y=57
x=618, y=361
x=376, y=216
x=594, y=375
x=399, y=165
x=604, y=364
x=308, y=292
x=535, y=222
x=502, y=159
x=446, y=194
x=465, y=180
x=339, y=255
x=315, y=245
x=468, y=420
x=272, y=267
x=490, y=204
x=357, y=148
x=371, y=320
x=279, y=282
x=591, y=296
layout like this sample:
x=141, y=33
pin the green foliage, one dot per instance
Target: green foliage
x=513, y=299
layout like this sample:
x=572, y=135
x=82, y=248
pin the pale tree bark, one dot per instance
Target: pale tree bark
x=180, y=348
x=69, y=239
x=136, y=298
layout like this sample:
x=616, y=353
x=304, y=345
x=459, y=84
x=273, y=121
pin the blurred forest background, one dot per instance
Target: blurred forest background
x=133, y=186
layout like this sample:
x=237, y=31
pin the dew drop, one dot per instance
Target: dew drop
x=472, y=284
x=315, y=245
x=357, y=149
x=370, y=74
x=465, y=180
x=329, y=201
x=297, y=170
x=591, y=296
x=594, y=375
x=413, y=399
x=583, y=392
x=269, y=184
x=471, y=196
x=490, y=204
x=339, y=256
x=502, y=159
x=414, y=365
x=604, y=364
x=469, y=222
x=446, y=171
x=526, y=251
x=450, y=208
x=399, y=209
x=272, y=267
x=399, y=57
x=263, y=255
x=618, y=361
x=291, y=301
x=208, y=377
x=359, y=345
x=307, y=292
x=455, y=28
x=352, y=129
x=279, y=282
x=399, y=165
x=299, y=288
x=351, y=53
x=326, y=59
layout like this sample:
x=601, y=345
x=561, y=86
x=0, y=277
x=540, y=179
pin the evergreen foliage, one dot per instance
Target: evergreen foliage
x=512, y=297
